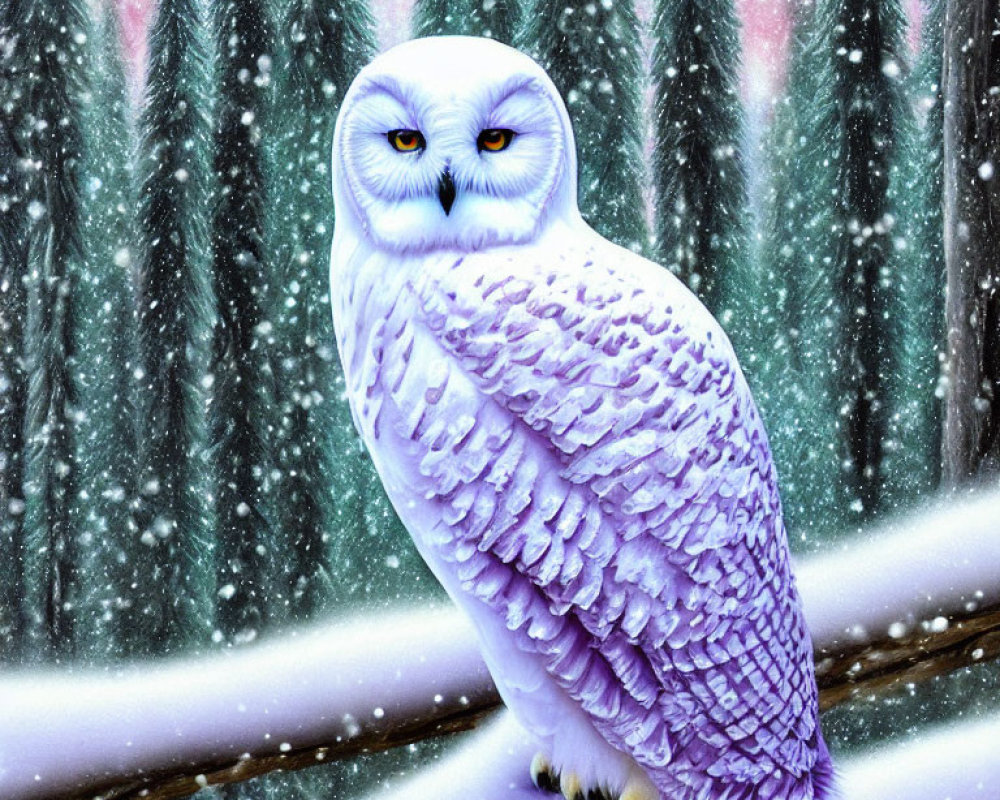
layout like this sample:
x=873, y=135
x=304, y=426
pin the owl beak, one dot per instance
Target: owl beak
x=446, y=191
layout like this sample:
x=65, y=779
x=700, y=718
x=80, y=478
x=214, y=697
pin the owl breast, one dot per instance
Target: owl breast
x=569, y=441
x=460, y=471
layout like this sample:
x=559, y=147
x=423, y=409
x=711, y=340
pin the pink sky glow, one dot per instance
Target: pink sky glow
x=764, y=36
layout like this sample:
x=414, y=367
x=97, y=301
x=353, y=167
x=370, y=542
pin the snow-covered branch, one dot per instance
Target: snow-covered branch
x=351, y=687
x=908, y=602
x=954, y=762
x=917, y=598
x=939, y=562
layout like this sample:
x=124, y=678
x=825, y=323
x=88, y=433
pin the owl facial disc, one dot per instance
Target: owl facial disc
x=453, y=143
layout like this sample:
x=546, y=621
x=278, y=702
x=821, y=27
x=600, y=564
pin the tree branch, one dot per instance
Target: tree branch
x=173, y=728
x=172, y=787
x=957, y=762
x=916, y=599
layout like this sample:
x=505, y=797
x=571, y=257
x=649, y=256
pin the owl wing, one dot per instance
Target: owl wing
x=633, y=495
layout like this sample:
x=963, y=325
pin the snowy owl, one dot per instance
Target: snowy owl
x=569, y=439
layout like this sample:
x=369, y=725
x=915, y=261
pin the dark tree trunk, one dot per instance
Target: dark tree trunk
x=698, y=169
x=247, y=558
x=864, y=47
x=971, y=72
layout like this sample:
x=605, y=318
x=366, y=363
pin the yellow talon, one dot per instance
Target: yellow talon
x=570, y=786
x=542, y=774
x=639, y=790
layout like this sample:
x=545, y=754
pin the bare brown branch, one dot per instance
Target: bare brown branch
x=913, y=657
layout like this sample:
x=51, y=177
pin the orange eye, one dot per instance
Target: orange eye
x=493, y=140
x=406, y=141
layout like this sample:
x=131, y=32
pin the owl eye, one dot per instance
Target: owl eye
x=493, y=140
x=405, y=140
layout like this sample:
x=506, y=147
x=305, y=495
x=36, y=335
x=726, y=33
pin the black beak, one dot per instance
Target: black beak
x=446, y=191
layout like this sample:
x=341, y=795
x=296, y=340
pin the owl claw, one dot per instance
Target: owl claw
x=638, y=791
x=543, y=775
x=569, y=785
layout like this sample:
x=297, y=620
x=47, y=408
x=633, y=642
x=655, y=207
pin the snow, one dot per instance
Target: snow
x=491, y=765
x=63, y=730
x=883, y=581
x=948, y=764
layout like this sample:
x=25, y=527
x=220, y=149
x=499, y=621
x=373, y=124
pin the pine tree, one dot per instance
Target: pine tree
x=591, y=51
x=105, y=348
x=912, y=454
x=168, y=581
x=15, y=181
x=832, y=244
x=322, y=45
x=697, y=164
x=242, y=424
x=866, y=63
x=45, y=68
x=792, y=307
x=494, y=19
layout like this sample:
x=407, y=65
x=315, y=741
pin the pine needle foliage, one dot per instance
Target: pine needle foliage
x=15, y=183
x=697, y=125
x=104, y=348
x=46, y=67
x=494, y=19
x=167, y=588
x=242, y=420
x=797, y=321
x=321, y=45
x=832, y=244
x=912, y=453
x=591, y=51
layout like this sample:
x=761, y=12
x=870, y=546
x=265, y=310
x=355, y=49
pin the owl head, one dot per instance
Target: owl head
x=452, y=143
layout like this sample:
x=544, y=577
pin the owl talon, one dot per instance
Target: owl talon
x=569, y=785
x=638, y=791
x=543, y=775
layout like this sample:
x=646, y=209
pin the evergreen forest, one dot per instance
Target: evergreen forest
x=179, y=471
